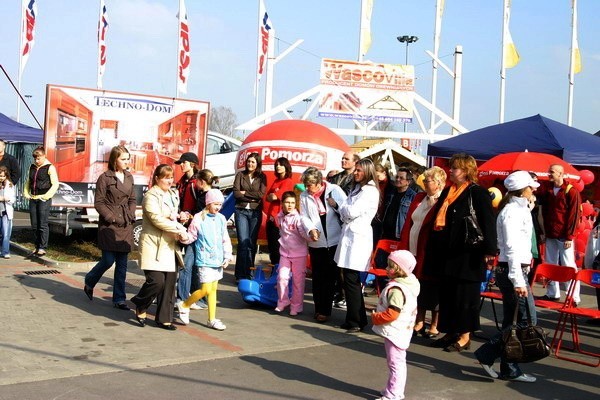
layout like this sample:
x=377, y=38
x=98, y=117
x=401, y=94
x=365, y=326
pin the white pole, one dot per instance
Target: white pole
x=572, y=64
x=360, y=28
x=99, y=81
x=503, y=66
x=458, y=54
x=177, y=52
x=270, y=70
x=20, y=74
x=436, y=48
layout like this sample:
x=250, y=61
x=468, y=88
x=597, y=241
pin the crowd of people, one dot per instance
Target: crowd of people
x=335, y=222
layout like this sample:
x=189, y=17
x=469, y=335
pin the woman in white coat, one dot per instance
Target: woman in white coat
x=158, y=242
x=356, y=242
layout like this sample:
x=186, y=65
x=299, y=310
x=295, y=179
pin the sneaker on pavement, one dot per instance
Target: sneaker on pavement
x=217, y=325
x=184, y=312
x=489, y=370
x=340, y=304
x=523, y=378
x=6, y=256
x=200, y=305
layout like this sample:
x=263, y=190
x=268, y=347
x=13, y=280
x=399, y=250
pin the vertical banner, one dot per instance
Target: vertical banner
x=183, y=52
x=27, y=32
x=576, y=56
x=102, y=29
x=365, y=27
x=509, y=51
x=264, y=28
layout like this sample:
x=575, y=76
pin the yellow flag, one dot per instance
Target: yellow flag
x=511, y=55
x=365, y=26
x=577, y=58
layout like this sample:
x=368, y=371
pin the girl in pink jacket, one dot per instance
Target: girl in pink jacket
x=294, y=231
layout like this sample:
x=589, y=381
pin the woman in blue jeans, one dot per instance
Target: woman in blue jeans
x=515, y=231
x=249, y=188
x=115, y=202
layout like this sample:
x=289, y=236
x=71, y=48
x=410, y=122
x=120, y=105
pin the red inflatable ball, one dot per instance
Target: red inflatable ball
x=579, y=185
x=587, y=209
x=587, y=176
x=580, y=245
x=581, y=226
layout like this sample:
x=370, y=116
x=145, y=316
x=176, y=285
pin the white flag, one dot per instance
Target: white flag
x=365, y=26
x=102, y=29
x=27, y=31
x=264, y=28
x=183, y=57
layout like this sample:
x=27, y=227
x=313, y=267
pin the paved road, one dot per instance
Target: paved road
x=56, y=344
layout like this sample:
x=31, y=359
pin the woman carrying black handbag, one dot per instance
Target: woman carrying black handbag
x=514, y=228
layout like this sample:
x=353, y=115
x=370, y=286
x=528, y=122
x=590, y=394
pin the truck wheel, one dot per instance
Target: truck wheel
x=137, y=231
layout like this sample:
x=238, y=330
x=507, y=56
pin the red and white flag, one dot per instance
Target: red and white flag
x=183, y=53
x=27, y=32
x=102, y=29
x=264, y=31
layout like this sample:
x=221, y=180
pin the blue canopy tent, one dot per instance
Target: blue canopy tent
x=21, y=140
x=535, y=133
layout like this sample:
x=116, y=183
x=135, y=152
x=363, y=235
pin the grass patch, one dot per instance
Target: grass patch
x=79, y=247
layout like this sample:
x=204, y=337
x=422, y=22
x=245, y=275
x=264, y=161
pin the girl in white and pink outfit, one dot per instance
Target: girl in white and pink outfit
x=395, y=319
x=294, y=231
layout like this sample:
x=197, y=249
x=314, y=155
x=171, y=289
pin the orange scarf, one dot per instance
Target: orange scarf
x=453, y=193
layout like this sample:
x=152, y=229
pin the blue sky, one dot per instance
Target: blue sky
x=143, y=33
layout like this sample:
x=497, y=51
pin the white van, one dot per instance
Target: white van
x=221, y=151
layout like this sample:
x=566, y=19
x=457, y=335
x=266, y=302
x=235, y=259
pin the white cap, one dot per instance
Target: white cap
x=519, y=180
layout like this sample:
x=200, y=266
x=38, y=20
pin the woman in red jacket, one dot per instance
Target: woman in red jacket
x=414, y=236
x=283, y=183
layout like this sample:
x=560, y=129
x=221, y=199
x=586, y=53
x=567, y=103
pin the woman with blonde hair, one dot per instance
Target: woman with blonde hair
x=414, y=237
x=459, y=265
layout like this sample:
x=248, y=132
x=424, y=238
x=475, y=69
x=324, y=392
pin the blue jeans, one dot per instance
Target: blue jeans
x=247, y=224
x=6, y=232
x=490, y=351
x=108, y=259
x=38, y=215
x=188, y=281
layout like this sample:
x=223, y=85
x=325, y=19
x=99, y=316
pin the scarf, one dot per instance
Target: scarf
x=317, y=196
x=453, y=193
x=431, y=200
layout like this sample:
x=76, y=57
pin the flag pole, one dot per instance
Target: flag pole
x=98, y=56
x=505, y=17
x=572, y=63
x=256, y=79
x=20, y=63
x=177, y=52
x=436, y=48
x=360, y=30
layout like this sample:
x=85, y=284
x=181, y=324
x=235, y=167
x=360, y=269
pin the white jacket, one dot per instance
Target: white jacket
x=8, y=193
x=309, y=209
x=357, y=212
x=514, y=227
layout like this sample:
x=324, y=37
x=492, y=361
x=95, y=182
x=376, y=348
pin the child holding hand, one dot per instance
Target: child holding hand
x=294, y=232
x=213, y=249
x=395, y=317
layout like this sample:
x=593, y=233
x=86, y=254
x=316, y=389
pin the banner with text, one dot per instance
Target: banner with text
x=367, y=91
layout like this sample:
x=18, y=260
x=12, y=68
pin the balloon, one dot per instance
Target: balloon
x=419, y=181
x=580, y=227
x=578, y=185
x=587, y=209
x=580, y=245
x=587, y=176
x=496, y=196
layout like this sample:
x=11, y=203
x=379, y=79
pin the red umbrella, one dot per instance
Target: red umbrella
x=539, y=163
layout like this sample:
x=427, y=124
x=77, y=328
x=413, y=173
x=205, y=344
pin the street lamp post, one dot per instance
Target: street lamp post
x=408, y=39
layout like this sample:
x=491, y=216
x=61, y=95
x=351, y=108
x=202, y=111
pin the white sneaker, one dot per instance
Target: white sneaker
x=523, y=378
x=184, y=312
x=340, y=304
x=217, y=325
x=489, y=370
x=7, y=256
x=200, y=305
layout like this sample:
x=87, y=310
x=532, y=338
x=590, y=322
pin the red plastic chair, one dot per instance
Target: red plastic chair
x=552, y=272
x=491, y=293
x=379, y=259
x=570, y=313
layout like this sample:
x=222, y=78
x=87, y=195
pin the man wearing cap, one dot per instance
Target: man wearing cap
x=560, y=204
x=10, y=163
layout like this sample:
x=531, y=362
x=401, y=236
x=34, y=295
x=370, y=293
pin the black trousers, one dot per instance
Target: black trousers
x=39, y=211
x=273, y=241
x=159, y=285
x=356, y=315
x=324, y=274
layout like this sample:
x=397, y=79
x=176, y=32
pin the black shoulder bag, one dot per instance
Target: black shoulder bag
x=523, y=345
x=473, y=233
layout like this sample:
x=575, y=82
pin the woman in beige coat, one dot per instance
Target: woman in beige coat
x=158, y=242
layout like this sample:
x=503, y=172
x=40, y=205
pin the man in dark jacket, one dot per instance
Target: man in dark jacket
x=9, y=162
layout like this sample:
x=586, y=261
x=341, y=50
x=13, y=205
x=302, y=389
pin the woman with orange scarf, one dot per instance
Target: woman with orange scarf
x=461, y=267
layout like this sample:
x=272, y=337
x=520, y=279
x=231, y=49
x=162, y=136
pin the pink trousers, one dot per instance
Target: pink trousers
x=396, y=360
x=296, y=267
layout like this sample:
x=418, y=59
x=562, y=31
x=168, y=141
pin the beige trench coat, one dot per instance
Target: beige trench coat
x=158, y=240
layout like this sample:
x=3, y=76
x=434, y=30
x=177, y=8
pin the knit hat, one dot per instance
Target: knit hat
x=519, y=180
x=214, y=196
x=404, y=259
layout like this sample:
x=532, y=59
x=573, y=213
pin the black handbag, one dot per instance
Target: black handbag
x=473, y=233
x=523, y=345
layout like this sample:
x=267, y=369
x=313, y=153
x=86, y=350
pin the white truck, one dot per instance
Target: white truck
x=81, y=127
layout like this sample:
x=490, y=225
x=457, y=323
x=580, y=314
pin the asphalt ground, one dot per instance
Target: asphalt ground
x=56, y=344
